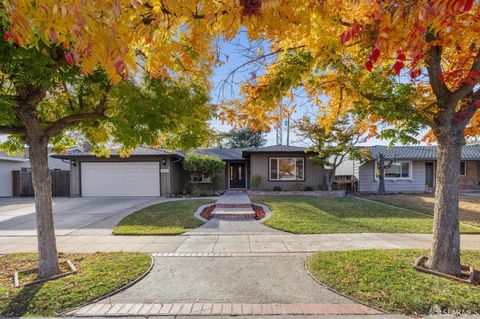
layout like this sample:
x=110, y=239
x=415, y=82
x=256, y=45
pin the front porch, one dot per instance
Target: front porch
x=469, y=175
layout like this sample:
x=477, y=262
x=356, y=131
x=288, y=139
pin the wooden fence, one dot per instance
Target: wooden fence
x=23, y=186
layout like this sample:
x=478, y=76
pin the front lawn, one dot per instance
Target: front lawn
x=385, y=279
x=469, y=207
x=315, y=215
x=98, y=274
x=170, y=218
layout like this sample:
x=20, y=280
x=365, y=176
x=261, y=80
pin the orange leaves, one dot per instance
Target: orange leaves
x=400, y=26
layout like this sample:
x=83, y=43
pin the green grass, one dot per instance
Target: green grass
x=385, y=279
x=315, y=215
x=98, y=274
x=170, y=218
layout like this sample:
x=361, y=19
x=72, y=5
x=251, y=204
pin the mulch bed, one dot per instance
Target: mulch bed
x=259, y=211
x=468, y=274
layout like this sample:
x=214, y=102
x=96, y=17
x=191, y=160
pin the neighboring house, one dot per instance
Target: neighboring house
x=18, y=162
x=414, y=169
x=156, y=172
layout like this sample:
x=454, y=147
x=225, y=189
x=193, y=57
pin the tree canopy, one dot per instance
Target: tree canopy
x=243, y=138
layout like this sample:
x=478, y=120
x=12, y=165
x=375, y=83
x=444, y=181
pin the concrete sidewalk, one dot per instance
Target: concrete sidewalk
x=257, y=243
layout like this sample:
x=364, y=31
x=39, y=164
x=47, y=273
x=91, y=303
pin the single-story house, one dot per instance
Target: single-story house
x=414, y=169
x=157, y=172
x=21, y=162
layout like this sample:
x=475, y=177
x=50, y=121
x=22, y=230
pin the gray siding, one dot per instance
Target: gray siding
x=74, y=179
x=165, y=173
x=416, y=184
x=314, y=174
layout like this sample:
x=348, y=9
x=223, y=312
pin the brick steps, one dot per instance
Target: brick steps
x=198, y=309
x=233, y=213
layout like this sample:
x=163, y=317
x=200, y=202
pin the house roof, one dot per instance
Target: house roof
x=139, y=151
x=18, y=157
x=227, y=154
x=469, y=152
x=275, y=149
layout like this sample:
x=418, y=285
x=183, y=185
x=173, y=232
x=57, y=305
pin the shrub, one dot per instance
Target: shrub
x=277, y=189
x=203, y=168
x=307, y=188
x=255, y=181
x=322, y=187
x=297, y=186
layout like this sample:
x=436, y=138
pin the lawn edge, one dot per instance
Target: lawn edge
x=118, y=290
x=336, y=291
x=414, y=211
x=162, y=234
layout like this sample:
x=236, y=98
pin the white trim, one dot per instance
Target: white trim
x=278, y=169
x=410, y=172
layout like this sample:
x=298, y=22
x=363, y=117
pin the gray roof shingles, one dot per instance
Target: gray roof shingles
x=139, y=151
x=469, y=152
x=228, y=154
x=275, y=149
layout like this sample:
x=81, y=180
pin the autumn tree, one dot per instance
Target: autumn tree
x=430, y=45
x=316, y=45
x=331, y=145
x=243, y=138
x=437, y=43
x=46, y=100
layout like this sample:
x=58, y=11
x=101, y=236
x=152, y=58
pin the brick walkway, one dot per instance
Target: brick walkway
x=198, y=309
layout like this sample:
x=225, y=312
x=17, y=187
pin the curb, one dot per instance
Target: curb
x=110, y=294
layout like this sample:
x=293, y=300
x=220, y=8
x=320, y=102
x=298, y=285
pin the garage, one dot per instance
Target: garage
x=120, y=179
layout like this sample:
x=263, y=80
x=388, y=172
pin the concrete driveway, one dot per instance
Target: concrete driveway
x=72, y=216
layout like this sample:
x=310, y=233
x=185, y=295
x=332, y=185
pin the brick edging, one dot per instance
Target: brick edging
x=207, y=309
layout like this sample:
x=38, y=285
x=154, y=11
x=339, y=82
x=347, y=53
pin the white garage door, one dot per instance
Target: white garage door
x=121, y=179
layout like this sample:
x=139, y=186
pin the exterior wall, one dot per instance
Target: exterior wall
x=470, y=180
x=56, y=163
x=416, y=184
x=165, y=173
x=6, y=168
x=74, y=179
x=314, y=175
x=178, y=177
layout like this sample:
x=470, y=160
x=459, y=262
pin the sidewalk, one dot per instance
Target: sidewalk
x=257, y=243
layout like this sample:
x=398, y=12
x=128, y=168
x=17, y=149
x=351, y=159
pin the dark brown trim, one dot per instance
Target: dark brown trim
x=291, y=180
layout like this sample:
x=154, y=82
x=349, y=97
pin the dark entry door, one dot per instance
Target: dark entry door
x=237, y=175
x=429, y=174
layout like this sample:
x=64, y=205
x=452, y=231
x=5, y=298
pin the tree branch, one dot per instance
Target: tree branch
x=15, y=130
x=434, y=68
x=467, y=88
x=74, y=119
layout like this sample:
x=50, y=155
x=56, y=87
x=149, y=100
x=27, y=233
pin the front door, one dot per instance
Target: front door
x=429, y=175
x=237, y=175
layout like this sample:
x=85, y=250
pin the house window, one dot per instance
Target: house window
x=398, y=170
x=287, y=168
x=463, y=168
x=200, y=179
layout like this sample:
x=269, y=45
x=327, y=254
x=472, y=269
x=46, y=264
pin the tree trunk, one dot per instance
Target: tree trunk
x=328, y=179
x=445, y=254
x=381, y=175
x=47, y=246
